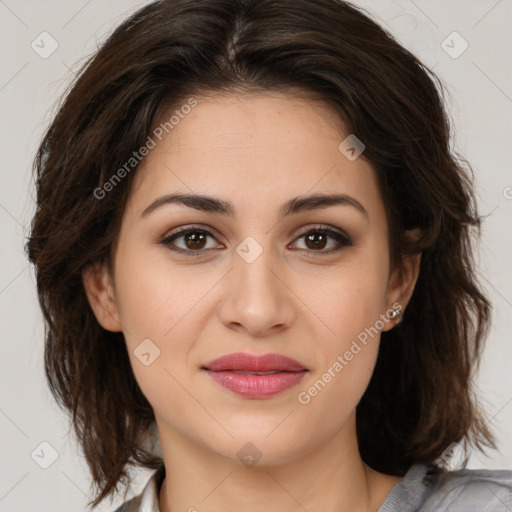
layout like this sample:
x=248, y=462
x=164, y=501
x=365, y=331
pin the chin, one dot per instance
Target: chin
x=254, y=446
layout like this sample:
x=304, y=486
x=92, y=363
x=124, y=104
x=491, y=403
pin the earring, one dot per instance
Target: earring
x=396, y=315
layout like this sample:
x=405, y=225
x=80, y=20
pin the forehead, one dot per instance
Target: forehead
x=246, y=147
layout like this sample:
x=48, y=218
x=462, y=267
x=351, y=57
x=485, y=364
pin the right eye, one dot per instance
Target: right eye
x=193, y=241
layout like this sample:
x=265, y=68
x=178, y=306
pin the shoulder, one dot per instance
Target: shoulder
x=147, y=500
x=470, y=490
x=132, y=505
x=427, y=488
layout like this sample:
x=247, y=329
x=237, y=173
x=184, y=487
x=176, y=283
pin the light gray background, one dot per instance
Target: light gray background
x=479, y=84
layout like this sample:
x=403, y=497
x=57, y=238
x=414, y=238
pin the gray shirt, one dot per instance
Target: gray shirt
x=421, y=490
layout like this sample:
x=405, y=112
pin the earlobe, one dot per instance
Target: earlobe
x=100, y=293
x=401, y=287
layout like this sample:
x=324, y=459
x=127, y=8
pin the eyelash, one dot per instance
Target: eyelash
x=339, y=237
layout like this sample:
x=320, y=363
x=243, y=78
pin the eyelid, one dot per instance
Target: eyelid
x=324, y=228
x=339, y=235
x=182, y=230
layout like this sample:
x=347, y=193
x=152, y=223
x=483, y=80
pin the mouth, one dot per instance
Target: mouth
x=267, y=363
x=255, y=376
x=240, y=372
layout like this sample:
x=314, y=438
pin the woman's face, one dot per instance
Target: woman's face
x=309, y=281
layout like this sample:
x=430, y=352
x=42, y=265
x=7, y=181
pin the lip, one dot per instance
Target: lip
x=241, y=373
x=253, y=363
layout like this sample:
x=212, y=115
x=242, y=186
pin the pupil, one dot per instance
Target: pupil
x=195, y=240
x=314, y=238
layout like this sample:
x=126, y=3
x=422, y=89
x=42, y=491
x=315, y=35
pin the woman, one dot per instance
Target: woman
x=252, y=235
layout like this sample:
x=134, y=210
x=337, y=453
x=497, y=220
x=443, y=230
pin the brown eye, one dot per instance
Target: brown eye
x=316, y=241
x=191, y=241
x=195, y=240
x=323, y=241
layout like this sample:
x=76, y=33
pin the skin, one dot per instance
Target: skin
x=256, y=151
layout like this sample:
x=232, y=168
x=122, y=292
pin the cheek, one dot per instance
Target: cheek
x=155, y=297
x=347, y=299
x=163, y=309
x=349, y=302
x=159, y=316
x=330, y=397
x=345, y=355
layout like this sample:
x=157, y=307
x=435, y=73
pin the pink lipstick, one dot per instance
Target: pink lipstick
x=256, y=376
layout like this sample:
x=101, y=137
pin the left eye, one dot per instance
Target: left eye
x=195, y=241
x=317, y=240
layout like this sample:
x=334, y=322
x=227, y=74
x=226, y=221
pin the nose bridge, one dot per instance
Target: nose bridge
x=257, y=299
x=252, y=266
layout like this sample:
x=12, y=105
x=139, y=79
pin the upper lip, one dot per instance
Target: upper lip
x=255, y=363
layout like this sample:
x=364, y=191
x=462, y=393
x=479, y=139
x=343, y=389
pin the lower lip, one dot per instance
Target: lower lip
x=257, y=386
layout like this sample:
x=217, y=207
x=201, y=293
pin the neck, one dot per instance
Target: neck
x=332, y=477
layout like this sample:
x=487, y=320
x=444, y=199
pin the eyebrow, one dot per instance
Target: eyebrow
x=295, y=205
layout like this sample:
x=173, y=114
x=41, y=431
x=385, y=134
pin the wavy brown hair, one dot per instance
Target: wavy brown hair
x=420, y=398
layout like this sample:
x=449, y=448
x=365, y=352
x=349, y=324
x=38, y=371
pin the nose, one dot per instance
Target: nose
x=256, y=297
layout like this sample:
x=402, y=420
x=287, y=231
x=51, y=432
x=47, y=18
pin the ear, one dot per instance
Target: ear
x=99, y=289
x=402, y=282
